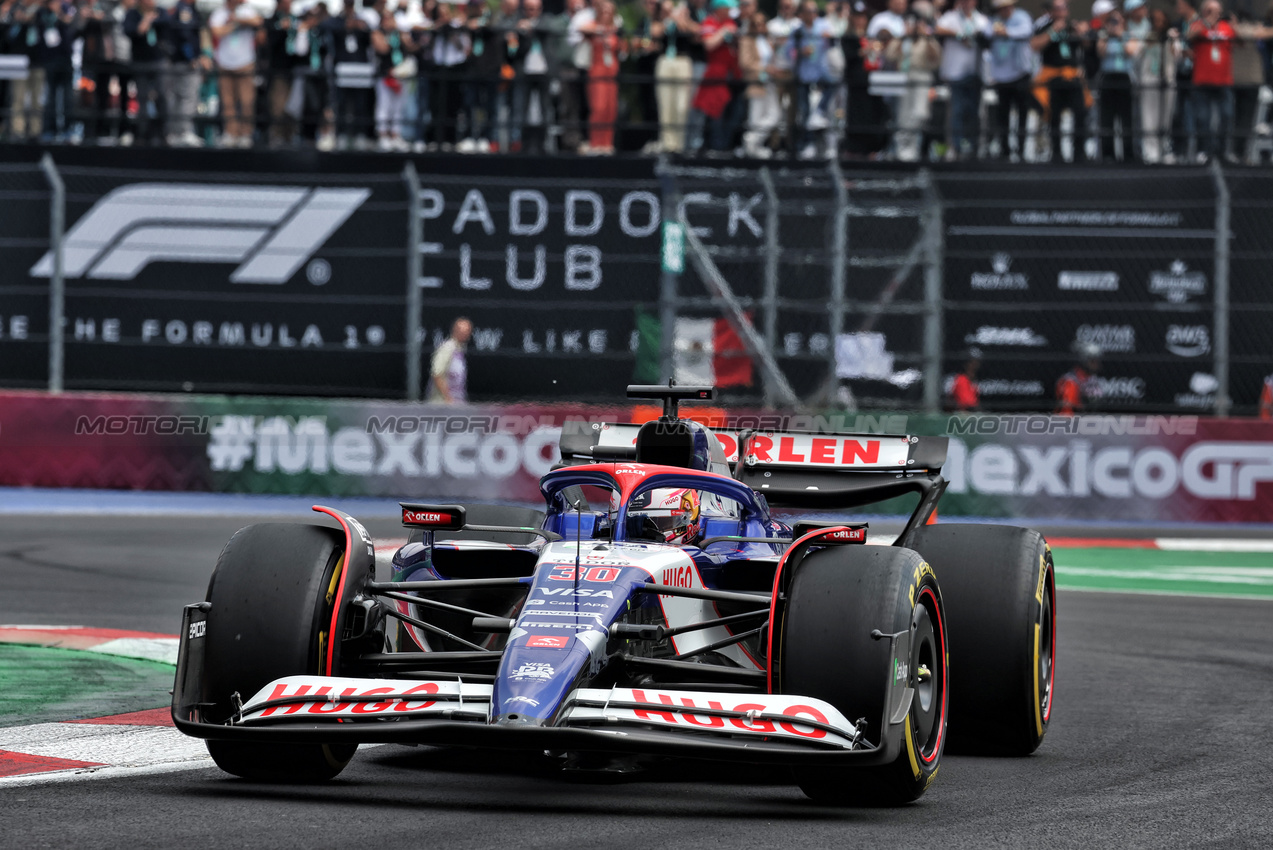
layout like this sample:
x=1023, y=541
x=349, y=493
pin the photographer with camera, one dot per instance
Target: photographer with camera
x=964, y=32
x=1060, y=85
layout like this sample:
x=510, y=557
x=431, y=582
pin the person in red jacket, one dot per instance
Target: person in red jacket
x=1211, y=40
x=963, y=393
x=1266, y=399
x=1072, y=387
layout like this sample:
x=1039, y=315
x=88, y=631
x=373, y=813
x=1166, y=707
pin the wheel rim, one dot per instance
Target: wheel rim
x=928, y=676
x=1047, y=639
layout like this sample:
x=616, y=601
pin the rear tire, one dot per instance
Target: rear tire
x=1000, y=590
x=837, y=596
x=271, y=597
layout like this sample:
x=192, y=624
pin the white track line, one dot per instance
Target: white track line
x=1195, y=544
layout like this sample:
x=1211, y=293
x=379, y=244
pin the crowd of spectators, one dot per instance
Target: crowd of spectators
x=911, y=80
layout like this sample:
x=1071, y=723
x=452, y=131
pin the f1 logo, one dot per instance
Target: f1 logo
x=269, y=230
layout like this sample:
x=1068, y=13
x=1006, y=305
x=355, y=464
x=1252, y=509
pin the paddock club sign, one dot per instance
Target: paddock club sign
x=297, y=283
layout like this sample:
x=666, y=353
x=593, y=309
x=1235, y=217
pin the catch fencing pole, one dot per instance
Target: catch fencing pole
x=840, y=242
x=57, y=283
x=667, y=282
x=732, y=309
x=415, y=270
x=772, y=250
x=1221, y=315
x=934, y=273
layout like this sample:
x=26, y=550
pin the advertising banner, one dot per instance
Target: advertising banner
x=287, y=273
x=1041, y=265
x=1095, y=468
x=1111, y=468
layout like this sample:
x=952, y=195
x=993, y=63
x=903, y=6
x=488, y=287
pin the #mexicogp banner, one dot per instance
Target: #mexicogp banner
x=1098, y=468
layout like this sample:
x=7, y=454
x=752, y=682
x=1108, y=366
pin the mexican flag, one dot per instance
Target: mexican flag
x=705, y=351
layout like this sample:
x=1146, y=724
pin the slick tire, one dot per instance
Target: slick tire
x=1000, y=590
x=270, y=611
x=837, y=597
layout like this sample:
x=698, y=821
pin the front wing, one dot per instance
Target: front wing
x=747, y=727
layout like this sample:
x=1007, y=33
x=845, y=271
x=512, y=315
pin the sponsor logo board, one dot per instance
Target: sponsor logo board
x=1178, y=284
x=1110, y=339
x=1087, y=281
x=1002, y=278
x=989, y=335
x=1188, y=340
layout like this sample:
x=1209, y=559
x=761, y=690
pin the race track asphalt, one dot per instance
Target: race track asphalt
x=1161, y=719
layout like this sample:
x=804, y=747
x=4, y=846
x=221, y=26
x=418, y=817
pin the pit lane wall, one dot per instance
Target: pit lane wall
x=1099, y=468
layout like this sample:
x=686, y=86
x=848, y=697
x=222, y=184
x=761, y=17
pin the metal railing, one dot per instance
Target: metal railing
x=872, y=109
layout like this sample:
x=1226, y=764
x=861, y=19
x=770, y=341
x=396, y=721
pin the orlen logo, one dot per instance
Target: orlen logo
x=849, y=535
x=821, y=451
x=421, y=518
x=270, y=231
x=712, y=722
x=548, y=641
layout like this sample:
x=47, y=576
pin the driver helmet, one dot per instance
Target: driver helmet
x=674, y=511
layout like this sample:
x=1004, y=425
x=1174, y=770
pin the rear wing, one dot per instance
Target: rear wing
x=791, y=467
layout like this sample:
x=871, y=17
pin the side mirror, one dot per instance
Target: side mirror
x=433, y=517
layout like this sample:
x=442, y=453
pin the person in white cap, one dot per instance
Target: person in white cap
x=1010, y=65
x=1136, y=13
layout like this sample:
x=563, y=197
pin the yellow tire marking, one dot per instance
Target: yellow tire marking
x=910, y=747
x=1038, y=595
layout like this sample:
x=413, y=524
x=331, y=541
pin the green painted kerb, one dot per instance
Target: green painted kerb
x=42, y=685
x=1248, y=574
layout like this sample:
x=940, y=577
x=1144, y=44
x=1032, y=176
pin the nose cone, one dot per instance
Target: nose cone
x=538, y=670
x=560, y=638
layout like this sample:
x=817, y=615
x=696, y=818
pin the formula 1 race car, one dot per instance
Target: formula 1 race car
x=655, y=608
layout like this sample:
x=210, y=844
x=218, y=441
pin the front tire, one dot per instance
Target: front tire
x=837, y=596
x=271, y=601
x=1000, y=591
